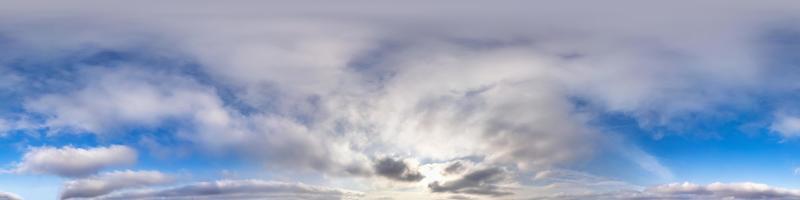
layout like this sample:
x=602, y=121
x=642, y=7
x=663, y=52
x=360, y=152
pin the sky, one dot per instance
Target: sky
x=382, y=100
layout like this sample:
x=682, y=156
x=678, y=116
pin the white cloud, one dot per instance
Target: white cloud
x=9, y=196
x=106, y=183
x=240, y=189
x=112, y=99
x=788, y=126
x=74, y=162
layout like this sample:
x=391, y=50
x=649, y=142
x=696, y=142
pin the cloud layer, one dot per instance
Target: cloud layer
x=69, y=161
x=516, y=89
x=744, y=190
x=106, y=183
x=240, y=189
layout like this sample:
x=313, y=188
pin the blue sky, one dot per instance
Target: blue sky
x=388, y=100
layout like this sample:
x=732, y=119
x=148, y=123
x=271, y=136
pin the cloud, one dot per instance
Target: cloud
x=106, y=183
x=111, y=99
x=454, y=168
x=240, y=189
x=115, y=99
x=396, y=170
x=327, y=90
x=69, y=161
x=788, y=126
x=647, y=162
x=386, y=86
x=562, y=176
x=478, y=182
x=745, y=190
x=9, y=196
x=555, y=182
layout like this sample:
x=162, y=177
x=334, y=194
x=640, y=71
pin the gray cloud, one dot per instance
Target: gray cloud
x=478, y=182
x=74, y=162
x=726, y=191
x=692, y=191
x=106, y=183
x=396, y=169
x=240, y=189
x=459, y=197
x=454, y=168
x=9, y=196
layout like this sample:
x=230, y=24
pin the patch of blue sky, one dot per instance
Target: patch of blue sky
x=31, y=186
x=728, y=145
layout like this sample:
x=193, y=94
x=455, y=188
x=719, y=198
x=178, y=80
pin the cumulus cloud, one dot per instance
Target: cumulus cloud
x=240, y=189
x=70, y=161
x=479, y=182
x=9, y=196
x=396, y=170
x=106, y=183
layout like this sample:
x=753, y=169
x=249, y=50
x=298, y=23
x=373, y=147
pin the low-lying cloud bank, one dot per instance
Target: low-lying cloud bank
x=9, y=196
x=111, y=181
x=691, y=191
x=239, y=189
